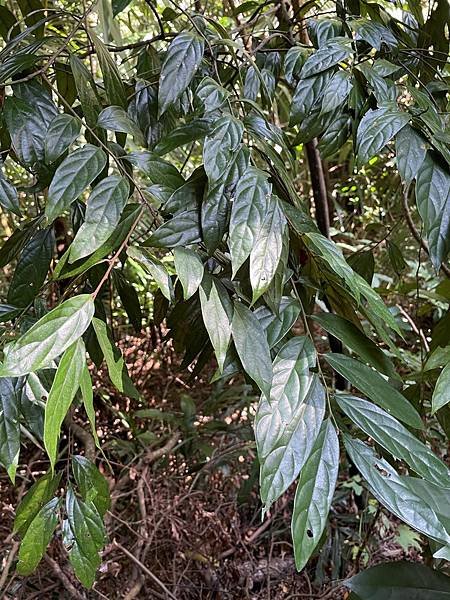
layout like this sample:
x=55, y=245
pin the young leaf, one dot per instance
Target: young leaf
x=155, y=267
x=37, y=537
x=10, y=396
x=72, y=177
x=41, y=492
x=441, y=394
x=252, y=347
x=104, y=207
x=49, y=337
x=289, y=417
x=189, y=269
x=117, y=368
x=395, y=438
x=65, y=385
x=32, y=268
x=9, y=199
x=179, y=67
x=62, y=132
x=410, y=151
x=433, y=204
x=114, y=87
x=217, y=312
x=251, y=201
x=266, y=253
x=315, y=489
x=378, y=389
x=84, y=535
x=376, y=129
x=91, y=483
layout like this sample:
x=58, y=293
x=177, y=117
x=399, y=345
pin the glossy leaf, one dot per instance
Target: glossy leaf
x=376, y=129
x=288, y=418
x=41, y=492
x=337, y=91
x=72, y=177
x=293, y=62
x=104, y=207
x=289, y=311
x=441, y=393
x=395, y=438
x=129, y=298
x=373, y=33
x=114, y=87
x=179, y=67
x=220, y=147
x=217, y=313
x=88, y=398
x=9, y=199
x=155, y=267
x=315, y=489
x=329, y=55
x=375, y=387
x=115, y=118
x=307, y=96
x=92, y=485
x=10, y=395
x=211, y=94
x=62, y=132
x=182, y=229
x=410, y=150
x=65, y=385
x=49, y=337
x=86, y=90
x=189, y=269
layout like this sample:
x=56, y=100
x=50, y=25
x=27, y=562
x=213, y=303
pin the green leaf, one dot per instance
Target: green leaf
x=221, y=146
x=373, y=33
x=104, y=207
x=356, y=340
x=217, y=312
x=376, y=129
x=293, y=62
x=189, y=269
x=410, y=150
x=37, y=537
x=441, y=395
x=72, y=177
x=288, y=418
x=117, y=368
x=31, y=269
x=115, y=118
x=433, y=203
x=282, y=322
x=88, y=399
x=114, y=87
x=84, y=536
x=87, y=91
x=394, y=492
x=182, y=60
x=400, y=581
x=395, y=438
x=155, y=267
x=193, y=131
x=64, y=387
x=62, y=132
x=266, y=253
x=41, y=492
x=375, y=387
x=27, y=130
x=182, y=229
x=92, y=485
x=307, y=96
x=129, y=298
x=9, y=199
x=211, y=94
x=337, y=91
x=331, y=54
x=10, y=397
x=315, y=489
x=251, y=201
x=49, y=337
x=118, y=6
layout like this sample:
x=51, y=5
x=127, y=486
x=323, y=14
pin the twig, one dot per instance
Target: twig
x=9, y=561
x=84, y=437
x=68, y=585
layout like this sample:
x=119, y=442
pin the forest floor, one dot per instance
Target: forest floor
x=185, y=520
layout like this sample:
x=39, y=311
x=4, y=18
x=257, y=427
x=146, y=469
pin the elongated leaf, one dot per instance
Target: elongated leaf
x=314, y=494
x=293, y=62
x=221, y=146
x=252, y=347
x=289, y=311
x=104, y=207
x=400, y=581
x=189, y=269
x=211, y=94
x=49, y=337
x=217, y=312
x=357, y=341
x=441, y=394
x=27, y=130
x=9, y=199
x=88, y=399
x=193, y=131
x=32, y=268
x=87, y=91
x=266, y=253
x=115, y=118
x=62, y=132
x=337, y=91
x=394, y=492
x=373, y=33
x=433, y=203
x=84, y=536
x=37, y=537
x=376, y=388
x=248, y=212
x=155, y=267
x=114, y=87
x=307, y=96
x=91, y=483
x=181, y=230
x=376, y=129
x=41, y=492
x=410, y=150
x=129, y=298
x=72, y=177
x=332, y=53
x=65, y=386
x=395, y=438
x=179, y=67
x=289, y=417
x=10, y=396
